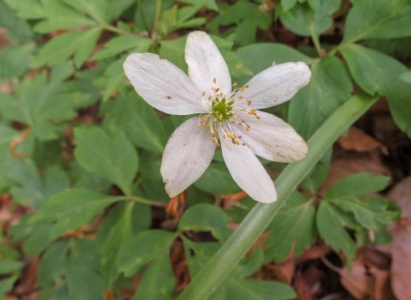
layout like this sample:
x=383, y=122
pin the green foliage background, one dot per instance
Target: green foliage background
x=58, y=78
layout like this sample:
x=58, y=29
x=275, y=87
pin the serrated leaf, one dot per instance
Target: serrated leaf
x=384, y=79
x=378, y=19
x=138, y=120
x=217, y=180
x=311, y=18
x=14, y=61
x=143, y=248
x=71, y=209
x=329, y=87
x=112, y=158
x=293, y=228
x=78, y=44
x=121, y=44
x=205, y=217
x=330, y=226
x=358, y=185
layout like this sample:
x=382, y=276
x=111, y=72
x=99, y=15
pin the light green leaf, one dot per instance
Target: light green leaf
x=378, y=19
x=143, y=248
x=288, y=4
x=10, y=266
x=311, y=18
x=358, y=185
x=379, y=73
x=113, y=158
x=121, y=44
x=211, y=4
x=71, y=209
x=293, y=228
x=329, y=87
x=14, y=61
x=330, y=225
x=206, y=217
x=78, y=44
x=138, y=120
x=27, y=9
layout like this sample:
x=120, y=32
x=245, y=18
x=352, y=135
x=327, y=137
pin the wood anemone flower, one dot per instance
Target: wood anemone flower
x=228, y=115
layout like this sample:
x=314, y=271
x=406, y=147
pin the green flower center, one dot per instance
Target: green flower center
x=221, y=109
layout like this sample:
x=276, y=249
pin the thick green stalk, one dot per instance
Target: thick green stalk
x=226, y=258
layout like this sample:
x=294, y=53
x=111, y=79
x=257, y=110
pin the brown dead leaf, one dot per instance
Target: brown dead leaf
x=307, y=283
x=401, y=246
x=359, y=141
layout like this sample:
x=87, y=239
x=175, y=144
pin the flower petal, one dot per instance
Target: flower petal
x=206, y=64
x=273, y=139
x=162, y=85
x=248, y=171
x=275, y=85
x=187, y=155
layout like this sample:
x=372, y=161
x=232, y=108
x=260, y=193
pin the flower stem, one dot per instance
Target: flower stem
x=253, y=225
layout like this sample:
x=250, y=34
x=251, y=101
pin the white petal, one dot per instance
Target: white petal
x=187, y=155
x=275, y=85
x=273, y=139
x=206, y=64
x=162, y=85
x=248, y=172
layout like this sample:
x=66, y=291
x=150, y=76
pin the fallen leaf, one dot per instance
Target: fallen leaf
x=400, y=248
x=359, y=141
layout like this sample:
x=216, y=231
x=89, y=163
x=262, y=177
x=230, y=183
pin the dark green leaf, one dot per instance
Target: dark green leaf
x=331, y=228
x=143, y=248
x=293, y=228
x=378, y=19
x=71, y=209
x=138, y=120
x=379, y=73
x=205, y=217
x=113, y=158
x=329, y=87
x=358, y=185
x=217, y=180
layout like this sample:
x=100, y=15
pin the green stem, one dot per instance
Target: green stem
x=142, y=200
x=143, y=18
x=317, y=44
x=253, y=225
x=117, y=30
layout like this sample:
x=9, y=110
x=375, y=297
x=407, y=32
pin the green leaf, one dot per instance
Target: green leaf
x=97, y=9
x=78, y=44
x=14, y=61
x=379, y=73
x=10, y=266
x=330, y=225
x=293, y=228
x=205, y=217
x=18, y=30
x=157, y=282
x=138, y=120
x=113, y=158
x=122, y=44
x=27, y=9
x=378, y=19
x=211, y=4
x=30, y=188
x=311, y=18
x=71, y=209
x=173, y=51
x=143, y=248
x=259, y=57
x=329, y=87
x=118, y=234
x=288, y=4
x=217, y=180
x=319, y=173
x=82, y=270
x=358, y=185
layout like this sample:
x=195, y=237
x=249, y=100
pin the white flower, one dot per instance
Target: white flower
x=228, y=115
